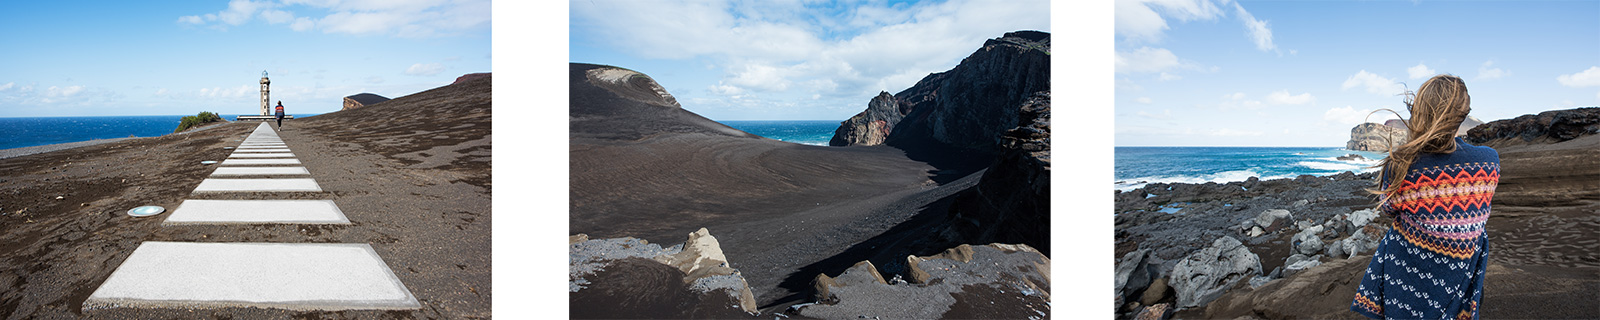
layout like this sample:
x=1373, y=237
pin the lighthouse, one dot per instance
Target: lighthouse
x=266, y=100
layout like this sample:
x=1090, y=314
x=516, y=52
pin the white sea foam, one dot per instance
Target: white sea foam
x=1220, y=177
x=1329, y=166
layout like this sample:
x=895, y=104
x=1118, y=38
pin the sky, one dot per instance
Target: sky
x=115, y=58
x=789, y=60
x=1303, y=73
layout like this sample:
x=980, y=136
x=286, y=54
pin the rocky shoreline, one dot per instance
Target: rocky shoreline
x=1294, y=248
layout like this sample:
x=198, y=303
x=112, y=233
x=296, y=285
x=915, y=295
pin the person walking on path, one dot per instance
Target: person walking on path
x=1430, y=265
x=280, y=114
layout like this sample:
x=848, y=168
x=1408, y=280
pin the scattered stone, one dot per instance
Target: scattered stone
x=1297, y=267
x=1133, y=272
x=1155, y=292
x=993, y=281
x=1300, y=203
x=1155, y=312
x=1307, y=242
x=1362, y=217
x=694, y=271
x=1270, y=219
x=1206, y=274
x=1258, y=281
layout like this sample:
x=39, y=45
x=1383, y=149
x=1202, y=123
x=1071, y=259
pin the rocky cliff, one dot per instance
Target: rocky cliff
x=967, y=107
x=1375, y=137
x=870, y=127
x=1545, y=127
x=362, y=100
x=1011, y=204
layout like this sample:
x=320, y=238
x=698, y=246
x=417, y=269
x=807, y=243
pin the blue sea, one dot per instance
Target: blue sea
x=38, y=131
x=1137, y=166
x=812, y=132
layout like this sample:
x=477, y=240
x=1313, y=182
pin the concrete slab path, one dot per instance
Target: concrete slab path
x=261, y=155
x=258, y=185
x=258, y=162
x=256, y=212
x=257, y=171
x=299, y=276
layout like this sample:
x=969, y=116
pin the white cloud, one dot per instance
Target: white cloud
x=1565, y=104
x=62, y=92
x=1485, y=71
x=374, y=79
x=785, y=46
x=425, y=69
x=1258, y=30
x=1237, y=101
x=413, y=18
x=1350, y=116
x=1145, y=60
x=302, y=24
x=1226, y=132
x=161, y=92
x=1169, y=77
x=1373, y=83
x=1138, y=20
x=1281, y=97
x=7, y=86
x=240, y=11
x=277, y=16
x=1164, y=115
x=228, y=93
x=1420, y=71
x=1144, y=100
x=723, y=89
x=191, y=20
x=1585, y=78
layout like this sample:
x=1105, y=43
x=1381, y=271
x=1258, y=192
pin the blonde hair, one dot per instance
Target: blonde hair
x=1437, y=109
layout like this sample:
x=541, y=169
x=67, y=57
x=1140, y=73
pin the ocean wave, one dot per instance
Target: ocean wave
x=1329, y=166
x=1220, y=177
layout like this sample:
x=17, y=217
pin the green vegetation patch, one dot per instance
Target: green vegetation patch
x=196, y=120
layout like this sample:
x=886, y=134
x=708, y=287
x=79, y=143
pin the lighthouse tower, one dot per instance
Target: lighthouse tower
x=266, y=100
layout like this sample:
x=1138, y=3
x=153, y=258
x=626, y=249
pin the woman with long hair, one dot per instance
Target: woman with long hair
x=1437, y=188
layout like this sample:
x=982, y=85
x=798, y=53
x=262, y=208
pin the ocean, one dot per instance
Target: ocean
x=812, y=132
x=1137, y=166
x=38, y=131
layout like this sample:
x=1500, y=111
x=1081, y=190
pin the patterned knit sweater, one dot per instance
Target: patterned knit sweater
x=1431, y=264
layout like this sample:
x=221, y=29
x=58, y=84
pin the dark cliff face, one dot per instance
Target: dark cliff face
x=1011, y=204
x=968, y=107
x=1545, y=127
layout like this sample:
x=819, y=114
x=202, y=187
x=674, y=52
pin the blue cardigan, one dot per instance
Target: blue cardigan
x=1430, y=265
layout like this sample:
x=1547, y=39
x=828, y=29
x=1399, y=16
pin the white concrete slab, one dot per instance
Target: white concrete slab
x=261, y=155
x=264, y=146
x=258, y=162
x=246, y=171
x=256, y=212
x=258, y=185
x=274, y=150
x=263, y=143
x=297, y=276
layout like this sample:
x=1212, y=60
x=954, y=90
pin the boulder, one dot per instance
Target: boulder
x=1274, y=219
x=1290, y=270
x=1209, y=272
x=1155, y=312
x=1155, y=292
x=1133, y=272
x=1362, y=241
x=1362, y=217
x=1351, y=157
x=692, y=280
x=968, y=282
x=1307, y=242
